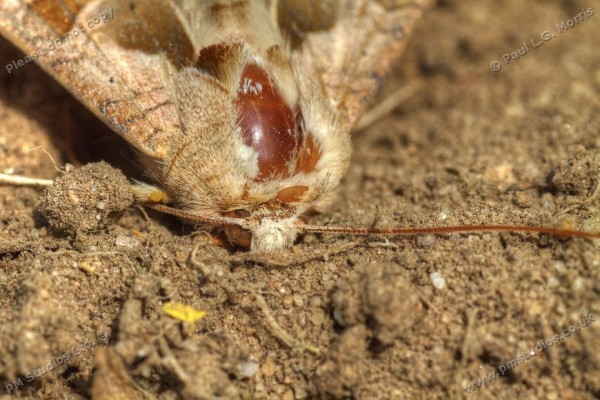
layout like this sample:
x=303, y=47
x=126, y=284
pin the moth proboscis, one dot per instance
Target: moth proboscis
x=241, y=110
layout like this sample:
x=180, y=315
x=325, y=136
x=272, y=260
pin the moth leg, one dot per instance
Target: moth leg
x=386, y=106
x=146, y=193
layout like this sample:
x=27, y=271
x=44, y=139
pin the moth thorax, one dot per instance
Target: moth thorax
x=271, y=127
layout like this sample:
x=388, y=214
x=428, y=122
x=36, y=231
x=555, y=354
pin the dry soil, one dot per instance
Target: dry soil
x=81, y=301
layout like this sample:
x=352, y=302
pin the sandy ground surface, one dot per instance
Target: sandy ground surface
x=81, y=311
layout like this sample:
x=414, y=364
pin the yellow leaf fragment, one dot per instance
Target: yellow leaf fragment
x=183, y=312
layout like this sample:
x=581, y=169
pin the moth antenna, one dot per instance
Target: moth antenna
x=449, y=229
x=190, y=216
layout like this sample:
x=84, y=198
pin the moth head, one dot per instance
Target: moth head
x=268, y=233
x=274, y=235
x=262, y=233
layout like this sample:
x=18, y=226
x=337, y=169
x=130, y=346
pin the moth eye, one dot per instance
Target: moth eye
x=267, y=123
x=236, y=234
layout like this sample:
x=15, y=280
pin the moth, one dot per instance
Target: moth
x=241, y=110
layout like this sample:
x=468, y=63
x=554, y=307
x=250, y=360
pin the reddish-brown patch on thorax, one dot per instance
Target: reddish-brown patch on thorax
x=271, y=126
x=268, y=125
x=291, y=194
x=216, y=58
x=309, y=155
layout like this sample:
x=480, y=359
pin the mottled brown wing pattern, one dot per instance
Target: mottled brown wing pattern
x=350, y=44
x=111, y=56
x=119, y=70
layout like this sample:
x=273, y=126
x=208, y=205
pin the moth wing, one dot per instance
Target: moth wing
x=350, y=44
x=116, y=57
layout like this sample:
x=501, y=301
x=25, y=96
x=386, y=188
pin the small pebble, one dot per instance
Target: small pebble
x=315, y=301
x=287, y=301
x=249, y=368
x=269, y=367
x=553, y=282
x=437, y=280
x=560, y=267
x=317, y=317
x=300, y=393
x=298, y=301
x=578, y=284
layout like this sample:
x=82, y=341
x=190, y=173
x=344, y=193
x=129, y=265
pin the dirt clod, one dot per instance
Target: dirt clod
x=346, y=368
x=376, y=295
x=579, y=174
x=82, y=199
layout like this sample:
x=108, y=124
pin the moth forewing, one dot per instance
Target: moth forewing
x=351, y=44
x=84, y=47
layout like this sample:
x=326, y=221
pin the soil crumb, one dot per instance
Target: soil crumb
x=81, y=199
